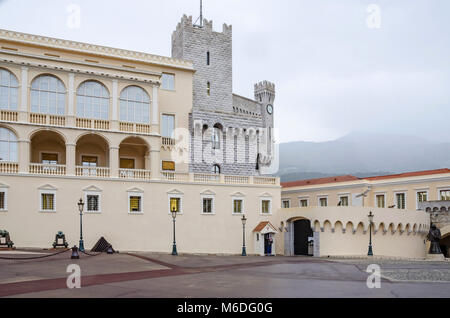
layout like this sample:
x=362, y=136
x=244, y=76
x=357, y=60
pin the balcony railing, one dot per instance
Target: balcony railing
x=135, y=174
x=8, y=115
x=175, y=177
x=45, y=119
x=9, y=167
x=133, y=127
x=47, y=169
x=94, y=172
x=207, y=178
x=237, y=180
x=93, y=123
x=168, y=141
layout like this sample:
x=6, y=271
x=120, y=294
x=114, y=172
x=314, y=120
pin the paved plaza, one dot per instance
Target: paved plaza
x=139, y=275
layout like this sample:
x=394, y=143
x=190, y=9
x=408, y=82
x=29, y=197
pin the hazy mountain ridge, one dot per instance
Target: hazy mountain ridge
x=362, y=155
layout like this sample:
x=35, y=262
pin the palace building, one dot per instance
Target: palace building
x=112, y=126
x=334, y=210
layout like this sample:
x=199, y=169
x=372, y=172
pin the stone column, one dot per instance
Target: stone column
x=71, y=99
x=154, y=164
x=114, y=162
x=115, y=110
x=155, y=111
x=24, y=156
x=70, y=159
x=23, y=108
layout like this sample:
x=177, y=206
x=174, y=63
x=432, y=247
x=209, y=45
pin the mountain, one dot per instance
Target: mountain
x=361, y=154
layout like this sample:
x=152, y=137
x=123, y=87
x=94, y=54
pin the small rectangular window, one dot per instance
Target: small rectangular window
x=265, y=206
x=135, y=204
x=47, y=202
x=237, y=206
x=207, y=205
x=343, y=201
x=168, y=81
x=401, y=202
x=93, y=203
x=50, y=158
x=286, y=204
x=168, y=126
x=2, y=201
x=323, y=202
x=422, y=196
x=304, y=203
x=175, y=205
x=381, y=201
x=208, y=56
x=168, y=166
x=126, y=163
x=208, y=89
x=445, y=195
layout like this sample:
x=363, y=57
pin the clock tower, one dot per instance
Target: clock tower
x=265, y=95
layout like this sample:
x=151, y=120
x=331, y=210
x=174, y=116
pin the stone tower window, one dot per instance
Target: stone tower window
x=208, y=56
x=208, y=89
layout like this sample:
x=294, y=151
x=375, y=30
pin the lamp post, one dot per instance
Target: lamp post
x=80, y=208
x=174, y=216
x=370, y=253
x=244, y=250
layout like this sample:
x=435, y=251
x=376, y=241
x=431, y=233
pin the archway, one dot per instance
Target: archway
x=445, y=241
x=302, y=234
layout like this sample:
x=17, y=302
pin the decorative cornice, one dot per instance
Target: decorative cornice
x=84, y=48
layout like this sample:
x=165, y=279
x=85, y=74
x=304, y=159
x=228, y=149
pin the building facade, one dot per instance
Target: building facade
x=336, y=210
x=85, y=121
x=237, y=131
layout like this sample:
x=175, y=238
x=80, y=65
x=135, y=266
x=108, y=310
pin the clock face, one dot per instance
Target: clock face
x=270, y=109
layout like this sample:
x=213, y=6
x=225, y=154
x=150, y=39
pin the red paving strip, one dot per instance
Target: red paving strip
x=11, y=289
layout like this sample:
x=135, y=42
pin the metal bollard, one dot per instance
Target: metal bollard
x=75, y=254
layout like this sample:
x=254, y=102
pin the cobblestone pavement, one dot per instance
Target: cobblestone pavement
x=155, y=275
x=407, y=270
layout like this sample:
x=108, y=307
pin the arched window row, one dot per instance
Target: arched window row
x=48, y=96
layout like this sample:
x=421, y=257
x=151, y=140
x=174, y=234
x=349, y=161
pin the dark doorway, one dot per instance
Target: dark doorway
x=302, y=231
x=445, y=245
x=268, y=244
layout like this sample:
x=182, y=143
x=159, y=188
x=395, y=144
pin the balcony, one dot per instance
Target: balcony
x=92, y=172
x=45, y=119
x=9, y=167
x=93, y=123
x=8, y=115
x=135, y=128
x=218, y=179
x=134, y=174
x=47, y=169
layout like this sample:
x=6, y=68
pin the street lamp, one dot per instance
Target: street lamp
x=370, y=253
x=174, y=216
x=80, y=208
x=244, y=250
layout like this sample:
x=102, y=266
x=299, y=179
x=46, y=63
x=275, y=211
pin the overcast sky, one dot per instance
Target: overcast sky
x=333, y=73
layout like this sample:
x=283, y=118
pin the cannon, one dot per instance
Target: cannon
x=5, y=239
x=60, y=240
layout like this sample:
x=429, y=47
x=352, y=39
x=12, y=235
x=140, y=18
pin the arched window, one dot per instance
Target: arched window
x=8, y=145
x=134, y=105
x=48, y=95
x=9, y=90
x=92, y=101
x=216, y=169
x=216, y=137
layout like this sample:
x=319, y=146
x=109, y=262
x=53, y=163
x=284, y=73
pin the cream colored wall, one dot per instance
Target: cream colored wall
x=405, y=235
x=430, y=183
x=151, y=231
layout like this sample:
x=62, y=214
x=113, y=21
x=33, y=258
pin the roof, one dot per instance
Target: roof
x=303, y=183
x=262, y=225
x=409, y=174
x=309, y=182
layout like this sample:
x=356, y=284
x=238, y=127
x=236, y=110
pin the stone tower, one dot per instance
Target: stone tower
x=240, y=120
x=211, y=54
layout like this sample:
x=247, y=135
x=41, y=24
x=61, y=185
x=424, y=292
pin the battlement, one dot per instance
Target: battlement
x=187, y=23
x=265, y=86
